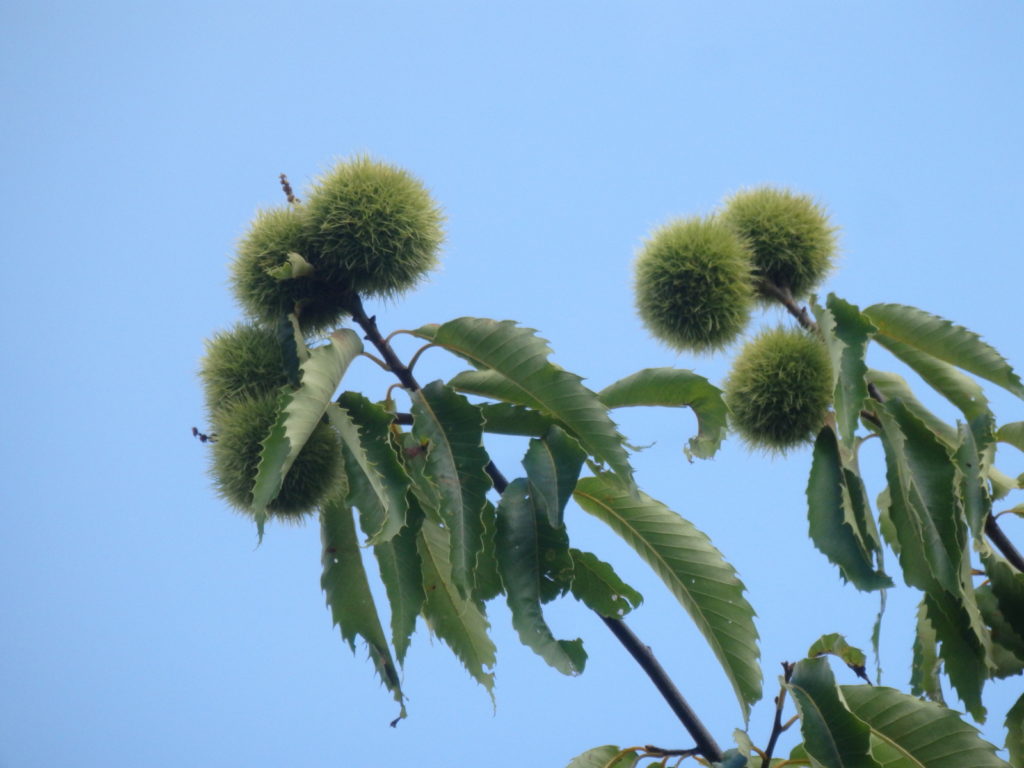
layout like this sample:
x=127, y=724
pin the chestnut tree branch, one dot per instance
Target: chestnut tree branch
x=706, y=744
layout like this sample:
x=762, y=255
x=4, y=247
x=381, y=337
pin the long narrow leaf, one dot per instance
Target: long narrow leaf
x=675, y=388
x=923, y=505
x=922, y=734
x=301, y=411
x=961, y=390
x=522, y=357
x=694, y=571
x=452, y=430
x=847, y=332
x=457, y=620
x=924, y=672
x=552, y=466
x=942, y=339
x=398, y=560
x=835, y=529
x=519, y=551
x=495, y=386
x=348, y=592
x=377, y=480
x=964, y=644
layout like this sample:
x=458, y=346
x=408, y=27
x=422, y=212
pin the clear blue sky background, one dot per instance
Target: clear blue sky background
x=140, y=624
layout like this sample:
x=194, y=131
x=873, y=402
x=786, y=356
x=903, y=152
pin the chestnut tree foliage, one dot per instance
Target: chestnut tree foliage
x=410, y=480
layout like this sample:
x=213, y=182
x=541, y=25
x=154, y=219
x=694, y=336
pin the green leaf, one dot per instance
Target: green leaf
x=348, y=592
x=451, y=428
x=457, y=620
x=398, y=560
x=942, y=339
x=1007, y=645
x=495, y=386
x=964, y=645
x=837, y=513
x=894, y=387
x=488, y=579
x=675, y=388
x=1012, y=434
x=924, y=672
x=1015, y=733
x=296, y=266
x=596, y=585
x=694, y=571
x=552, y=466
x=377, y=481
x=846, y=332
x=520, y=356
x=920, y=734
x=301, y=412
x=832, y=735
x=923, y=506
x=1007, y=585
x=508, y=419
x=972, y=461
x=519, y=552
x=606, y=757
x=962, y=391
x=836, y=645
x=423, y=487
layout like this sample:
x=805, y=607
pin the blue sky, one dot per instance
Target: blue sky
x=143, y=627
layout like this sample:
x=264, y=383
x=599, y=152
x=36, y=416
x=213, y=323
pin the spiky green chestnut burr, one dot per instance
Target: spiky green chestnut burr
x=241, y=427
x=374, y=228
x=241, y=363
x=274, y=234
x=792, y=243
x=693, y=286
x=779, y=389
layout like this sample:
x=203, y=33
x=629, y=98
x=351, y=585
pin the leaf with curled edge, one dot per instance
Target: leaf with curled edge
x=675, y=388
x=520, y=356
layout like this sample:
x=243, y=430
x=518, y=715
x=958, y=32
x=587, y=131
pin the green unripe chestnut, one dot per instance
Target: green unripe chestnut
x=240, y=428
x=273, y=235
x=693, y=284
x=779, y=389
x=374, y=228
x=241, y=363
x=791, y=241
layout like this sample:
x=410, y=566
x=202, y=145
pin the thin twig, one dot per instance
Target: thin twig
x=785, y=298
x=777, y=727
x=288, y=190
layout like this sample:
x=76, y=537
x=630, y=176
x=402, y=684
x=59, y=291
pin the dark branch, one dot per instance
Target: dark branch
x=1003, y=544
x=706, y=744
